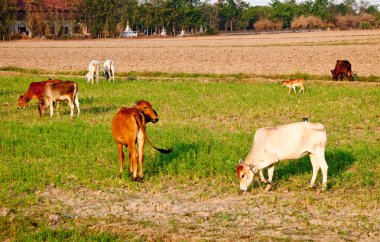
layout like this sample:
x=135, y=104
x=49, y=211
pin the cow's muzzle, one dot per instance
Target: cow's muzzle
x=155, y=120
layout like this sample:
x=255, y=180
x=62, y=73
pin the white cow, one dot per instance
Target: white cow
x=109, y=70
x=285, y=142
x=93, y=72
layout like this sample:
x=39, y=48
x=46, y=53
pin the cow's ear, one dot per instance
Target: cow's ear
x=241, y=161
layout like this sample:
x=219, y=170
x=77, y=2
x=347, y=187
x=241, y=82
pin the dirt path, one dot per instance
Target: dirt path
x=266, y=54
x=194, y=215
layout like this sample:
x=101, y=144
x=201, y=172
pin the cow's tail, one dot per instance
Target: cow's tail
x=146, y=136
x=75, y=97
x=76, y=100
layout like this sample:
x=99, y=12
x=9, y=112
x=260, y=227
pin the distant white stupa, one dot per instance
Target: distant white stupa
x=163, y=31
x=128, y=32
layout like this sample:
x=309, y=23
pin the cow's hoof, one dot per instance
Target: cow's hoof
x=138, y=179
x=324, y=188
x=311, y=187
x=269, y=186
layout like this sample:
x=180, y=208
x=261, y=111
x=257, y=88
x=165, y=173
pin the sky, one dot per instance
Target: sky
x=266, y=2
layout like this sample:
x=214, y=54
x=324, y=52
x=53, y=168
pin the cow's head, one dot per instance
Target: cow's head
x=245, y=174
x=87, y=77
x=21, y=101
x=149, y=113
x=334, y=75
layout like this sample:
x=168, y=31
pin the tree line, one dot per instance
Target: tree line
x=105, y=18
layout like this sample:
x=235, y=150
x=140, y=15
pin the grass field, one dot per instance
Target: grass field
x=58, y=178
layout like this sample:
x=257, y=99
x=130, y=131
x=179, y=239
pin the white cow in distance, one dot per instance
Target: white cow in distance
x=284, y=142
x=109, y=70
x=93, y=72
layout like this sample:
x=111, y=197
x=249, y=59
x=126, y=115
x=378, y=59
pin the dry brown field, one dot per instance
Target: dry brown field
x=263, y=54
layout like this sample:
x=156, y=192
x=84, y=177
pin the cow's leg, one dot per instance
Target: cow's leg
x=294, y=89
x=349, y=76
x=315, y=164
x=133, y=157
x=76, y=100
x=51, y=104
x=290, y=89
x=270, y=177
x=324, y=168
x=140, y=142
x=72, y=106
x=121, y=157
x=262, y=178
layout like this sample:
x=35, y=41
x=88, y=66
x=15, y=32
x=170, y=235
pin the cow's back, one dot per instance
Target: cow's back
x=343, y=65
x=285, y=141
x=124, y=125
x=61, y=88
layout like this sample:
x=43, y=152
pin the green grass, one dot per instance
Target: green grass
x=132, y=75
x=208, y=125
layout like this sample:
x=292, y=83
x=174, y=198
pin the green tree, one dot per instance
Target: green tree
x=7, y=18
x=284, y=11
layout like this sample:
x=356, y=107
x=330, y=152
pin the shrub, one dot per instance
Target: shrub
x=212, y=31
x=354, y=21
x=303, y=22
x=299, y=23
x=266, y=24
x=314, y=22
x=365, y=25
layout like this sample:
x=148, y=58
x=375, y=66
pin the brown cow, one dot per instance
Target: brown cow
x=61, y=91
x=293, y=83
x=35, y=90
x=342, y=68
x=129, y=127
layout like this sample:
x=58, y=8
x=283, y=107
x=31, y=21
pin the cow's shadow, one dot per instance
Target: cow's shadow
x=337, y=160
x=164, y=162
x=98, y=109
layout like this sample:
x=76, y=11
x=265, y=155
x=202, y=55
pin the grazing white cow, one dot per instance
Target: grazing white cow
x=109, y=70
x=93, y=72
x=285, y=142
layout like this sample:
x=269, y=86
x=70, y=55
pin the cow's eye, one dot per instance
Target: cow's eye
x=242, y=176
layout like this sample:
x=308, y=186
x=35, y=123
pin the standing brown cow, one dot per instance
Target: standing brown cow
x=61, y=91
x=35, y=90
x=342, y=68
x=129, y=127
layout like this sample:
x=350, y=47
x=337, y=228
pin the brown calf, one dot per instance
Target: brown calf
x=61, y=91
x=129, y=127
x=35, y=90
x=293, y=83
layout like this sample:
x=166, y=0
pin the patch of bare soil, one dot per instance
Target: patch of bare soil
x=178, y=215
x=314, y=53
